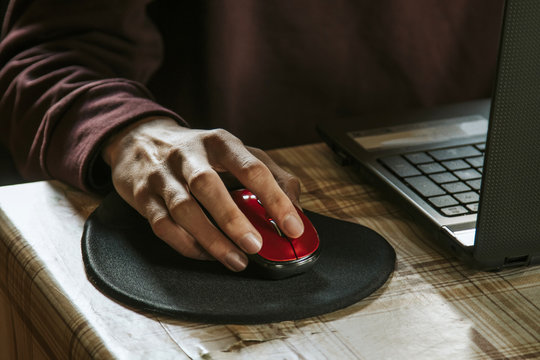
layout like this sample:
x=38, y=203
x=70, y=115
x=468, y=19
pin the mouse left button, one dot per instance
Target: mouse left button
x=278, y=249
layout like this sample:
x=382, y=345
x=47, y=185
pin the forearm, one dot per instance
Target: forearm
x=73, y=74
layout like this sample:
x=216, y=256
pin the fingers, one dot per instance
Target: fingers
x=179, y=239
x=289, y=183
x=166, y=173
x=178, y=220
x=185, y=211
x=255, y=175
x=155, y=211
x=205, y=184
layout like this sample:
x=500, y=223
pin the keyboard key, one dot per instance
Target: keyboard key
x=475, y=184
x=424, y=186
x=467, y=197
x=455, y=153
x=455, y=164
x=419, y=158
x=400, y=166
x=473, y=207
x=456, y=187
x=467, y=174
x=442, y=178
x=431, y=168
x=476, y=161
x=454, y=210
x=443, y=201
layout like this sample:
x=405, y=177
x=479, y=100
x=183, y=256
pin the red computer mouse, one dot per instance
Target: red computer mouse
x=279, y=256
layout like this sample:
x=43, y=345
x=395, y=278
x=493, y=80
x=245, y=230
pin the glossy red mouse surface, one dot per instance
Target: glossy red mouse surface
x=280, y=256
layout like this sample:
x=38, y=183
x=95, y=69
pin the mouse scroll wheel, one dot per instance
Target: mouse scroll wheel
x=278, y=230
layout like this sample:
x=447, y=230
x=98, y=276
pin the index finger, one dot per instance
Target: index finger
x=256, y=176
x=205, y=184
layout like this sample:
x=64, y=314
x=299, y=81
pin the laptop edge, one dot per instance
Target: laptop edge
x=506, y=230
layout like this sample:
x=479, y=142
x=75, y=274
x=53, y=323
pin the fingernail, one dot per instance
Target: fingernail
x=251, y=243
x=293, y=226
x=235, y=261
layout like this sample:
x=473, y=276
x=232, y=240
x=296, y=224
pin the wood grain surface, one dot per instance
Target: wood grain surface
x=432, y=307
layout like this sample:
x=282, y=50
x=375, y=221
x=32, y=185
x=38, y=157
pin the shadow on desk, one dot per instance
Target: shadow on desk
x=8, y=172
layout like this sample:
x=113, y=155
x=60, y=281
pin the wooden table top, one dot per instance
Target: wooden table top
x=432, y=306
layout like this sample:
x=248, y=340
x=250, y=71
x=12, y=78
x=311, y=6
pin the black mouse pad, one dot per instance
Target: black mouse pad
x=127, y=262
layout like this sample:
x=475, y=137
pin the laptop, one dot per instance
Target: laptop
x=470, y=172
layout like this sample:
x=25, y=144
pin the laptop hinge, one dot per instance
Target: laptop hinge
x=465, y=237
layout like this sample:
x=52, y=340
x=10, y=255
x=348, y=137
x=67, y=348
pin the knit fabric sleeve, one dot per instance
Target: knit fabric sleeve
x=73, y=73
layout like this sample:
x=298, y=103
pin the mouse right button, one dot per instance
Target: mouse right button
x=308, y=242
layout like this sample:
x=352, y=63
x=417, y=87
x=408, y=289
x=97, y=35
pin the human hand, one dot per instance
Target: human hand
x=166, y=172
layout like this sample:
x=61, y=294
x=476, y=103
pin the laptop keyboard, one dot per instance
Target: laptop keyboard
x=449, y=179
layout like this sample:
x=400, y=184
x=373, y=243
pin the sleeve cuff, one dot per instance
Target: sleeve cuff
x=74, y=151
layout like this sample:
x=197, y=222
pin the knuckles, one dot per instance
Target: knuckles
x=202, y=179
x=253, y=169
x=158, y=225
x=219, y=139
x=218, y=135
x=291, y=184
x=180, y=206
x=231, y=221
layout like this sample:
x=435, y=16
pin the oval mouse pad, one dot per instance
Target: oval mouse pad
x=127, y=262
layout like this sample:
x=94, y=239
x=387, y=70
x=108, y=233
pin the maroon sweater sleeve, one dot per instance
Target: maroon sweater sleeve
x=72, y=73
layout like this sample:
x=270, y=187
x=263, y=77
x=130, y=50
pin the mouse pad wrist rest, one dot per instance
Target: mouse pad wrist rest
x=126, y=261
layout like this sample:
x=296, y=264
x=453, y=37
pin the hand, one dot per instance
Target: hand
x=167, y=172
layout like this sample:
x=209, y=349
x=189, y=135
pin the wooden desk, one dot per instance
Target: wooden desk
x=432, y=307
